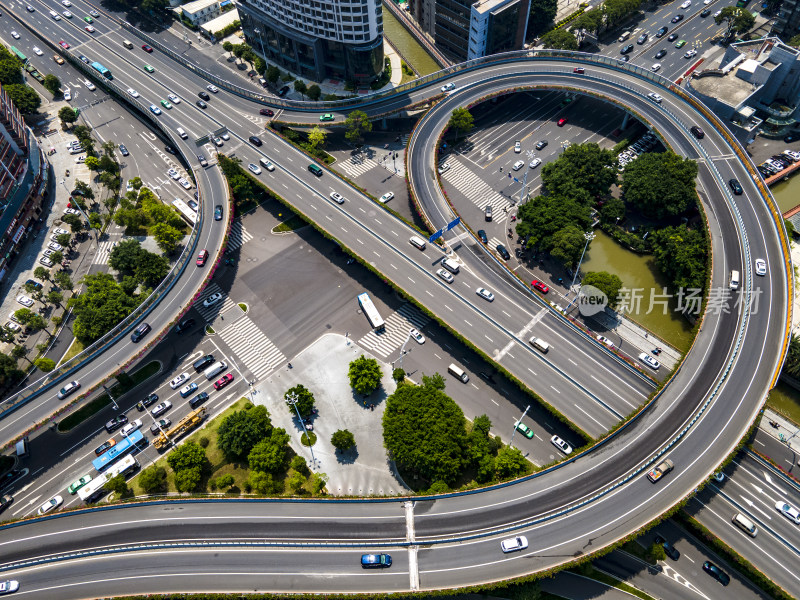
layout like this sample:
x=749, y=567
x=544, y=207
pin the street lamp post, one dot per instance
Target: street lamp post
x=257, y=31
x=589, y=237
x=402, y=352
x=292, y=399
x=513, y=433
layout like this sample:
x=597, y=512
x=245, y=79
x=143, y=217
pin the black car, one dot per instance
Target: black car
x=661, y=53
x=35, y=284
x=198, y=400
x=193, y=205
x=482, y=236
x=625, y=58
x=140, y=332
x=792, y=137
x=671, y=550
x=266, y=112
x=11, y=477
x=626, y=49
x=170, y=150
x=201, y=104
x=159, y=425
x=283, y=91
x=5, y=502
x=677, y=18
x=82, y=58
x=204, y=96
x=184, y=325
x=662, y=31
x=716, y=573
x=116, y=423
x=255, y=140
x=201, y=363
x=501, y=250
x=736, y=186
x=541, y=144
x=103, y=447
x=123, y=150
x=642, y=39
x=705, y=13
x=488, y=377
x=218, y=212
x=672, y=37
x=151, y=399
x=202, y=159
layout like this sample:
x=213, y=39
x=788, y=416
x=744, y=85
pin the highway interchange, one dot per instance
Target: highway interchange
x=443, y=563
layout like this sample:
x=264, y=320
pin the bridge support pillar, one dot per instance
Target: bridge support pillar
x=625, y=121
x=384, y=123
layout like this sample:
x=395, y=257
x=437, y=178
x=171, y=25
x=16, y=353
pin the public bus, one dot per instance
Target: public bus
x=128, y=443
x=19, y=55
x=372, y=313
x=102, y=70
x=93, y=490
x=183, y=209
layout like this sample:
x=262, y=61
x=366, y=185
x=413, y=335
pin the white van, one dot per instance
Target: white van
x=540, y=345
x=182, y=133
x=624, y=36
x=127, y=44
x=450, y=265
x=417, y=242
x=734, y=280
x=22, y=448
x=215, y=369
x=55, y=15
x=456, y=371
x=745, y=524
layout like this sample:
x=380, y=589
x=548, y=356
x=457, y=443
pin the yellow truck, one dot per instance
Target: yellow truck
x=185, y=425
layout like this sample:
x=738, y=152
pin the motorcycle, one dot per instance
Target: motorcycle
x=67, y=175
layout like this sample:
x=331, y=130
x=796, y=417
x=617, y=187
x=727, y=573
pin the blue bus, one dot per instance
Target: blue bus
x=102, y=70
x=128, y=443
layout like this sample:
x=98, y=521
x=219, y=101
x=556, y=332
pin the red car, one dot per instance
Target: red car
x=562, y=121
x=64, y=45
x=146, y=48
x=578, y=70
x=538, y=285
x=223, y=381
x=202, y=258
x=266, y=112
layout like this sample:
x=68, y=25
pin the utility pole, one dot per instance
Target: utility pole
x=589, y=237
x=292, y=399
x=513, y=433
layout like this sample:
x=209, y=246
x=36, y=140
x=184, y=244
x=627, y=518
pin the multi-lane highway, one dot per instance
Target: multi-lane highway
x=570, y=511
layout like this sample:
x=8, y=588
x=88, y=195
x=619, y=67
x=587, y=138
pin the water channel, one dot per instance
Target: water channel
x=408, y=47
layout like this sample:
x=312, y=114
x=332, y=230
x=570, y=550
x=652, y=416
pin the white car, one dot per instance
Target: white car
x=66, y=3
x=37, y=51
x=46, y=261
x=716, y=14
x=417, y=336
x=24, y=300
x=518, y=165
x=179, y=381
x=9, y=586
x=706, y=2
x=129, y=186
x=686, y=4
x=15, y=35
x=73, y=211
x=690, y=53
x=185, y=183
x=213, y=89
x=655, y=67
x=517, y=147
x=174, y=174
x=655, y=97
x=131, y=427
x=78, y=161
x=386, y=197
x=67, y=14
x=89, y=85
x=337, y=197
x=561, y=445
x=604, y=340
x=49, y=252
x=649, y=361
x=55, y=246
x=514, y=544
x=218, y=142
x=174, y=99
x=254, y=169
x=50, y=505
x=788, y=511
x=160, y=409
x=535, y=163
x=448, y=277
x=67, y=95
x=212, y=299
x=155, y=110
x=68, y=389
x=448, y=86
x=443, y=168
x=484, y=293
x=133, y=92
x=225, y=136
x=59, y=231
x=761, y=267
x=13, y=326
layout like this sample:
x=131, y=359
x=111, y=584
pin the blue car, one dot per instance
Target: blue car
x=376, y=561
x=188, y=390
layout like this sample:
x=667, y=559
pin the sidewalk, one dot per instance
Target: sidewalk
x=786, y=431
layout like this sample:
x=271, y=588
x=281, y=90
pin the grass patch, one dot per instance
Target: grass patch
x=589, y=571
x=785, y=400
x=635, y=548
x=291, y=224
x=243, y=306
x=74, y=349
x=309, y=438
x=210, y=330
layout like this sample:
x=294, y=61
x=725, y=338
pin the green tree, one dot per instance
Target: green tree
x=166, y=236
x=262, y=483
x=316, y=137
x=343, y=440
x=63, y=280
x=189, y=455
x=461, y=120
x=585, y=166
x=92, y=163
x=300, y=87
x=187, y=480
x=240, y=431
x=656, y=553
x=541, y=15
x=509, y=462
x=541, y=219
x=296, y=482
x=738, y=20
x=424, y=430
x=568, y=244
x=45, y=364
x=228, y=47
x=273, y=74
x=55, y=297
x=10, y=72
x=478, y=440
x=269, y=455
x=314, y=92
x=154, y=6
x=792, y=364
x=365, y=375
x=435, y=381
x=591, y=21
x=57, y=257
x=613, y=210
x=607, y=283
x=357, y=124
x=795, y=41
x=67, y=115
x=318, y=481
x=681, y=255
x=298, y=463
x=100, y=307
x=74, y=221
x=9, y=373
x=789, y=228
x=398, y=374
x=660, y=185
x=64, y=239
x=118, y=486
x=23, y=97
x=302, y=398
x=23, y=315
x=41, y=273
x=19, y=351
x=51, y=83
x=124, y=257
x=153, y=480
x=559, y=39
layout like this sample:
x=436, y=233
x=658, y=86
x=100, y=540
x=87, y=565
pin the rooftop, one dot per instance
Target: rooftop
x=484, y=6
x=221, y=22
x=728, y=89
x=197, y=5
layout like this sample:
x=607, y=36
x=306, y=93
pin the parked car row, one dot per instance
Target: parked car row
x=779, y=162
x=632, y=152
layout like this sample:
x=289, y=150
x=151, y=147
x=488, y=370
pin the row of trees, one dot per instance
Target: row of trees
x=23, y=96
x=137, y=266
x=141, y=208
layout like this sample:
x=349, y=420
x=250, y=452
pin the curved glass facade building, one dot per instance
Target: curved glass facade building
x=338, y=39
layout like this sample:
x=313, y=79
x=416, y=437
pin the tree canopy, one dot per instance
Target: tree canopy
x=302, y=398
x=541, y=15
x=357, y=124
x=681, y=254
x=660, y=185
x=100, y=307
x=607, y=283
x=461, y=120
x=269, y=455
x=25, y=98
x=342, y=439
x=559, y=39
x=585, y=166
x=365, y=375
x=240, y=431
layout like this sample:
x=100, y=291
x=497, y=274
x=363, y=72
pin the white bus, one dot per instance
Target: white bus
x=372, y=313
x=187, y=213
x=93, y=490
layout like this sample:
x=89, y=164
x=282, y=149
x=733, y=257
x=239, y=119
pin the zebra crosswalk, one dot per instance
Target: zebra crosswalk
x=356, y=165
x=252, y=347
x=473, y=187
x=494, y=243
x=239, y=236
x=397, y=327
x=210, y=312
x=101, y=256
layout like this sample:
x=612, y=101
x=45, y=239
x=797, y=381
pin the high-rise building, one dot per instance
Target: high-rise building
x=340, y=39
x=23, y=182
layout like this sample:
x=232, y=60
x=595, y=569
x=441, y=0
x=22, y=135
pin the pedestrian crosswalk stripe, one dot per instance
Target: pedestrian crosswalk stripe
x=356, y=165
x=104, y=249
x=209, y=312
x=494, y=243
x=239, y=235
x=252, y=347
x=397, y=326
x=473, y=187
